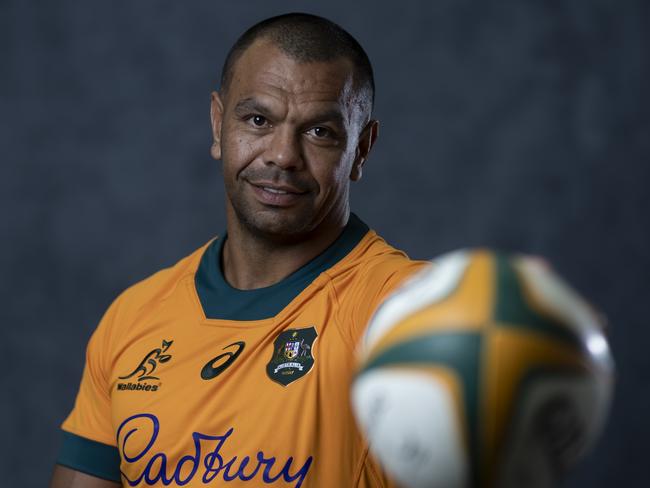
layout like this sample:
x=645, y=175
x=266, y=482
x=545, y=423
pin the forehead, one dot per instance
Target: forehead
x=265, y=70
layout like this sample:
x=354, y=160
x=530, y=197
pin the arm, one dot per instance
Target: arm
x=88, y=457
x=63, y=477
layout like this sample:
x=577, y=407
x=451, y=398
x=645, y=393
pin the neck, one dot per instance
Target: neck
x=252, y=261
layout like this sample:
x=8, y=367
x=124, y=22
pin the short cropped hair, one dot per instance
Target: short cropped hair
x=308, y=38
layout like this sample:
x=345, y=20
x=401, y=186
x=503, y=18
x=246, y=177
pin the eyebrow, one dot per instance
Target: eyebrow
x=252, y=105
x=334, y=116
x=248, y=105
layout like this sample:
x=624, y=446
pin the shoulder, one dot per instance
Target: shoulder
x=156, y=288
x=374, y=261
x=364, y=278
x=369, y=273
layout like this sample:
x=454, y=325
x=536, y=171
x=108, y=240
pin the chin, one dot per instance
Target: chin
x=278, y=224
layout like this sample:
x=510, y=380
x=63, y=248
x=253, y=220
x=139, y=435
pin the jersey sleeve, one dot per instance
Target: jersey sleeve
x=363, y=298
x=89, y=443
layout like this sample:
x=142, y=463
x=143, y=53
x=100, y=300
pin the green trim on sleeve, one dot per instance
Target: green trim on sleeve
x=90, y=457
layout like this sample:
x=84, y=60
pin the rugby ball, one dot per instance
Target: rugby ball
x=483, y=370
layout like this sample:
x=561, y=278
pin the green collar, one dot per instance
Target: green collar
x=221, y=301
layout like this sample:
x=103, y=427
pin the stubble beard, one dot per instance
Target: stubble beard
x=274, y=224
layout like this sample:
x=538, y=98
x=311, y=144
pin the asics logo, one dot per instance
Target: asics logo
x=219, y=364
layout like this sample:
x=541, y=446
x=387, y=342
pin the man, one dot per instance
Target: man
x=232, y=368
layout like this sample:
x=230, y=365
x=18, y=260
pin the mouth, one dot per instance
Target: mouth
x=278, y=189
x=276, y=195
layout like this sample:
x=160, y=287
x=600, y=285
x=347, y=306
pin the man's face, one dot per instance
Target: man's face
x=291, y=136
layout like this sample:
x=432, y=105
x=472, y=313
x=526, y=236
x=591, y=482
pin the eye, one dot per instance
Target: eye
x=320, y=132
x=258, y=120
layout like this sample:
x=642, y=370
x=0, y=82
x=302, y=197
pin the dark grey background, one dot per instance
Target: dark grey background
x=519, y=124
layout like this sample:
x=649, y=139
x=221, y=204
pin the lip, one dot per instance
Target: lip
x=276, y=195
x=277, y=187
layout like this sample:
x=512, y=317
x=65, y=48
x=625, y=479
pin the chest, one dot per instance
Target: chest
x=208, y=400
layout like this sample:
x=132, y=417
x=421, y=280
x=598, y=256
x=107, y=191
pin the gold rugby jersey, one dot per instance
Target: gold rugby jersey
x=190, y=382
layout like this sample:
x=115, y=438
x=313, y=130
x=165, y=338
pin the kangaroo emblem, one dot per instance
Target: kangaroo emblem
x=150, y=362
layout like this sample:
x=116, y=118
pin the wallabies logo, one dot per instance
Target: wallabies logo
x=148, y=365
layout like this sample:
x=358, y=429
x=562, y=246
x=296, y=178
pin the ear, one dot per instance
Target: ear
x=366, y=141
x=216, y=118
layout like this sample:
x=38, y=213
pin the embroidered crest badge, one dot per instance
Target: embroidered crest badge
x=292, y=355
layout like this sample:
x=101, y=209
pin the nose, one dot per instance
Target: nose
x=284, y=149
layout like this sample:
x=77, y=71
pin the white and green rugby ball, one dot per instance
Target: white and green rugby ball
x=484, y=370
